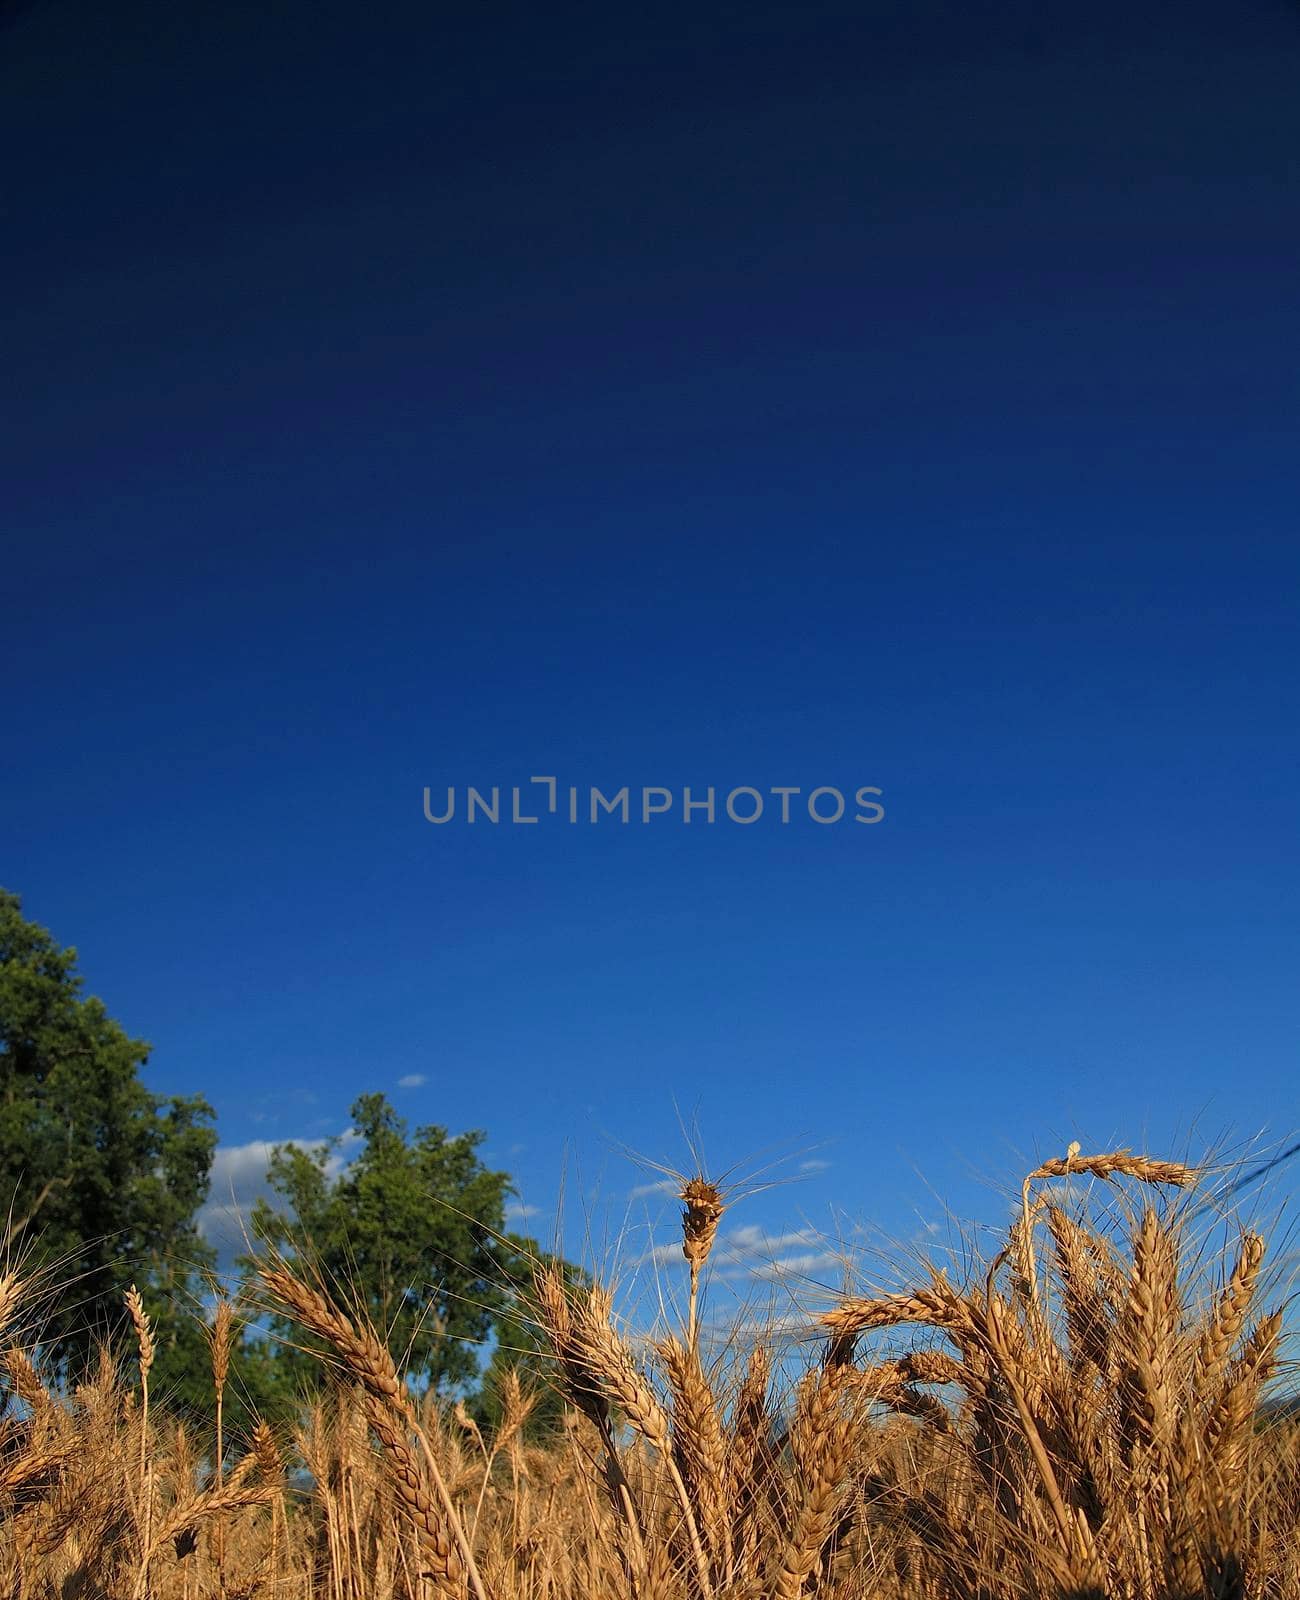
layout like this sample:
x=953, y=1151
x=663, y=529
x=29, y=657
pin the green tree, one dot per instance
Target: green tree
x=104, y=1178
x=412, y=1228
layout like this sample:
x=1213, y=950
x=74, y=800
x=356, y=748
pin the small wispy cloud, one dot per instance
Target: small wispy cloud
x=748, y=1244
x=814, y=1165
x=660, y=1186
x=798, y=1266
x=770, y=1326
x=665, y=1255
x=517, y=1211
x=752, y=1252
x=412, y=1080
x=1064, y=1192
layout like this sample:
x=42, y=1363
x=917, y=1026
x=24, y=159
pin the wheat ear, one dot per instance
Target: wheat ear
x=390, y=1415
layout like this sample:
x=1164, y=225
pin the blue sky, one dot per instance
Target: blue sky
x=803, y=395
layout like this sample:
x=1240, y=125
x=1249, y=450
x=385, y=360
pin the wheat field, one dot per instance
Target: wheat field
x=1082, y=1414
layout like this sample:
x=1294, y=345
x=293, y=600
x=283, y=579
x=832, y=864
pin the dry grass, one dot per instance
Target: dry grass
x=1081, y=1416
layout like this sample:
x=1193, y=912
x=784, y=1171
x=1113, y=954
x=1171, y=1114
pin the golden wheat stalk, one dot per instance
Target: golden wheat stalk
x=12, y=1286
x=145, y=1352
x=600, y=1369
x=1113, y=1164
x=183, y=1519
x=1223, y=1328
x=25, y=1380
x=702, y=1211
x=391, y=1417
x=699, y=1445
x=936, y=1306
x=821, y=1440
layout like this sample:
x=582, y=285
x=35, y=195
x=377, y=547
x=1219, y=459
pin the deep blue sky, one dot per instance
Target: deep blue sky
x=900, y=395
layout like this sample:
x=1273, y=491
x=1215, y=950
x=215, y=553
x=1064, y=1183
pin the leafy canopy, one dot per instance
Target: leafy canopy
x=105, y=1180
x=103, y=1176
x=412, y=1228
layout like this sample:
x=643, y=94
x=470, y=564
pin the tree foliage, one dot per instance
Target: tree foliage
x=104, y=1177
x=411, y=1227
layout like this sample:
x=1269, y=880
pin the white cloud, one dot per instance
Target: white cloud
x=517, y=1211
x=751, y=1252
x=749, y=1244
x=792, y=1324
x=240, y=1167
x=1064, y=1192
x=660, y=1186
x=238, y=1181
x=665, y=1255
x=803, y=1266
x=412, y=1080
x=813, y=1165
